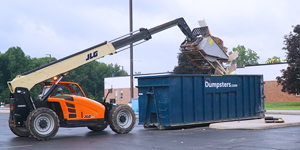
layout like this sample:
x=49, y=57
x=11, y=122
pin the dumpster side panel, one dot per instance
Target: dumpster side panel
x=176, y=115
x=186, y=102
x=176, y=100
x=188, y=99
x=154, y=101
x=199, y=98
x=225, y=106
x=162, y=106
x=216, y=106
x=232, y=106
x=208, y=101
x=142, y=104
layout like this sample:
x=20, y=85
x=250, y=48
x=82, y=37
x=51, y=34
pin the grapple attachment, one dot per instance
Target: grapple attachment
x=206, y=51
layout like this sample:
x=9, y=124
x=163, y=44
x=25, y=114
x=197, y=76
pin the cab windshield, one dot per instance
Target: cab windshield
x=61, y=89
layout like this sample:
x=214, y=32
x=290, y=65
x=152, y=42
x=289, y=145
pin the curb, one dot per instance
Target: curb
x=290, y=120
x=4, y=110
x=283, y=112
x=271, y=126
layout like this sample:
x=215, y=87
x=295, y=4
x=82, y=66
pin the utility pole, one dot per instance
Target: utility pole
x=131, y=51
x=49, y=57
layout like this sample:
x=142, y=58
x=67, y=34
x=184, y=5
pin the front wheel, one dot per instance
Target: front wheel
x=121, y=119
x=42, y=124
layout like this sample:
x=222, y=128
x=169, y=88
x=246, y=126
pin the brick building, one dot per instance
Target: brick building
x=272, y=91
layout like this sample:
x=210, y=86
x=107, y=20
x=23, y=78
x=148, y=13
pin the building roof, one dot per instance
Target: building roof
x=124, y=81
x=269, y=71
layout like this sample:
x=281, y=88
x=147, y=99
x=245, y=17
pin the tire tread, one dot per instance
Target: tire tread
x=35, y=113
x=113, y=119
x=17, y=131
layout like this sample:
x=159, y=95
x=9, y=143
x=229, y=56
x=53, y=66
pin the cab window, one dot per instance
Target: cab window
x=41, y=93
x=77, y=90
x=61, y=90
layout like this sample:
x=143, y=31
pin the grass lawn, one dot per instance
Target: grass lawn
x=282, y=105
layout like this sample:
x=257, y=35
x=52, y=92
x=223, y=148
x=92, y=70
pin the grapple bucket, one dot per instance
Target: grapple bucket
x=206, y=52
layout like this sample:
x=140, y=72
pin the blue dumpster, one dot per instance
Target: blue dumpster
x=135, y=105
x=179, y=100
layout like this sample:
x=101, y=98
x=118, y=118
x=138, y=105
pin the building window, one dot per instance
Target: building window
x=116, y=94
x=121, y=94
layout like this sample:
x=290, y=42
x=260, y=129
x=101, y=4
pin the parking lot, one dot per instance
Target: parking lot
x=140, y=138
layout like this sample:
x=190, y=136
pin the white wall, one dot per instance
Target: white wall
x=124, y=81
x=118, y=82
x=270, y=71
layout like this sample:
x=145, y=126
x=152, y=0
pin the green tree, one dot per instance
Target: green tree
x=246, y=57
x=38, y=62
x=3, y=97
x=13, y=62
x=273, y=60
x=90, y=76
x=290, y=78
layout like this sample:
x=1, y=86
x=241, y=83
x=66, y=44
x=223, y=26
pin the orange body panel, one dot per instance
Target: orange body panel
x=81, y=108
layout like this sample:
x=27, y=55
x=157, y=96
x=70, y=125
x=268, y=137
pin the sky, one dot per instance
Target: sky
x=61, y=28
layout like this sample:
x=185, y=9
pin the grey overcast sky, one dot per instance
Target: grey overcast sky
x=61, y=28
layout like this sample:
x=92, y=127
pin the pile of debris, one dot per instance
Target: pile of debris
x=207, y=52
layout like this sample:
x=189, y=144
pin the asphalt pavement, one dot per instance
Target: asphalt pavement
x=187, y=138
x=290, y=118
x=192, y=138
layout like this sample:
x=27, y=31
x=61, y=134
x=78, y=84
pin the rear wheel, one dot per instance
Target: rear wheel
x=42, y=123
x=19, y=131
x=98, y=127
x=121, y=119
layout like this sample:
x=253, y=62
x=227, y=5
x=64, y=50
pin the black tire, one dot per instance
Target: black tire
x=121, y=119
x=19, y=131
x=42, y=124
x=99, y=127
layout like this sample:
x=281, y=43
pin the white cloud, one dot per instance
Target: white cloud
x=66, y=27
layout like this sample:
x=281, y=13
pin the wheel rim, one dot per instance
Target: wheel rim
x=124, y=119
x=44, y=124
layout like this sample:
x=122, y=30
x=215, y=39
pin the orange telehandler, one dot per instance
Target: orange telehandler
x=41, y=118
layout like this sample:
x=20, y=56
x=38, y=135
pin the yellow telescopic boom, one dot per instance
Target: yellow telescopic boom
x=32, y=78
x=64, y=65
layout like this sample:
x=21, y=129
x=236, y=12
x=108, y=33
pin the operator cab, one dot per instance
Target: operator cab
x=63, y=88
